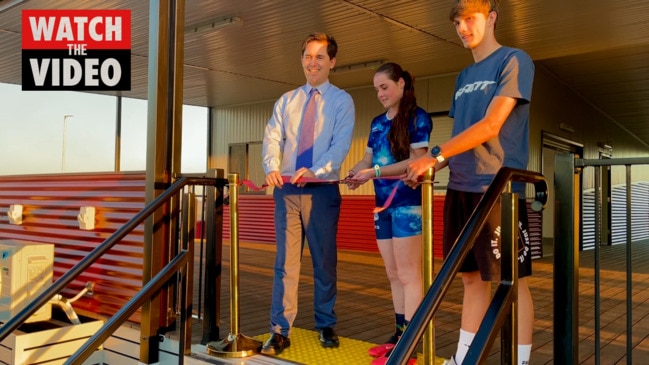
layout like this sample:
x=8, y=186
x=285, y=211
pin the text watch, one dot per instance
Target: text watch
x=436, y=151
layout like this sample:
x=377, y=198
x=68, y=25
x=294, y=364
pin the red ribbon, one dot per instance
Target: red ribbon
x=287, y=180
x=388, y=201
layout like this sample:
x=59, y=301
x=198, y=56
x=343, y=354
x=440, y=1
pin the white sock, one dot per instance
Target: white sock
x=524, y=352
x=463, y=345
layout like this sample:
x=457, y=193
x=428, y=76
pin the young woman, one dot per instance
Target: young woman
x=397, y=136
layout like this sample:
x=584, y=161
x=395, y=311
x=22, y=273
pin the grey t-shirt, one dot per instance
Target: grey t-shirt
x=506, y=72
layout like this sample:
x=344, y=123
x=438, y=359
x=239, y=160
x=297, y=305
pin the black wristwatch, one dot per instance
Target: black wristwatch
x=436, y=151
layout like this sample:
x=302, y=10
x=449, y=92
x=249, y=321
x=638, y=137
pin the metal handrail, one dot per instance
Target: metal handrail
x=129, y=308
x=146, y=292
x=451, y=265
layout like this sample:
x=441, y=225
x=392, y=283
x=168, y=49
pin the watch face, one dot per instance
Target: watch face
x=435, y=151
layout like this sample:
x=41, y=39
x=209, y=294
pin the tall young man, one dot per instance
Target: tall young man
x=491, y=126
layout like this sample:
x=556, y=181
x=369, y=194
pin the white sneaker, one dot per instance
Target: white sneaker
x=450, y=361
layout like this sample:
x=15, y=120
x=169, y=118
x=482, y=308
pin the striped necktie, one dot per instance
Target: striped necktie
x=305, y=143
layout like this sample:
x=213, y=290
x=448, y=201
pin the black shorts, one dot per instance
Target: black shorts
x=485, y=254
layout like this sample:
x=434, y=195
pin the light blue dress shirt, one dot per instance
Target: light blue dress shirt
x=333, y=131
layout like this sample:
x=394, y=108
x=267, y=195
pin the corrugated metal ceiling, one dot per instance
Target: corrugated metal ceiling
x=599, y=48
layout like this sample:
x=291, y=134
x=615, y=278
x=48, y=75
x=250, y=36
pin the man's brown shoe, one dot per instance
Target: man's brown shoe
x=275, y=344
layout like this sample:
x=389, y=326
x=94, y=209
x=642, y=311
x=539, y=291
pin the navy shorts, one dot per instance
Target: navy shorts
x=398, y=222
x=485, y=254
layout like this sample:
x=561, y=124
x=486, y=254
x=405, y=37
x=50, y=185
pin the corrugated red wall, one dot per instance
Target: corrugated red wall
x=50, y=207
x=355, y=228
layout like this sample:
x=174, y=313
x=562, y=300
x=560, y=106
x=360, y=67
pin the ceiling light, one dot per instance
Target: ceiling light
x=566, y=127
x=370, y=65
x=213, y=24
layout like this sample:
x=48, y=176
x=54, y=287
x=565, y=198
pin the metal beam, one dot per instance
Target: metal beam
x=164, y=126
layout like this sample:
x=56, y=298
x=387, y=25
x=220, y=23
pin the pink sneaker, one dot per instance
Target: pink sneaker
x=384, y=359
x=380, y=350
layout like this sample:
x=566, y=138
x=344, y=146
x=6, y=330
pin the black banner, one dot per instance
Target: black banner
x=96, y=70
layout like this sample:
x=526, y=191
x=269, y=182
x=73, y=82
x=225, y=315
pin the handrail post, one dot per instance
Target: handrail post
x=596, y=262
x=235, y=344
x=629, y=269
x=509, y=274
x=213, y=257
x=427, y=204
x=566, y=261
x=187, y=299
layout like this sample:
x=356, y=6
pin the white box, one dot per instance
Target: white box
x=50, y=342
x=25, y=271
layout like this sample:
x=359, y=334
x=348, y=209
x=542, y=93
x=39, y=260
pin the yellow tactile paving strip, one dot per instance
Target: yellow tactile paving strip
x=306, y=349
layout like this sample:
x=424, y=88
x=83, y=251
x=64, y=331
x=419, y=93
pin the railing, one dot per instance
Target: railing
x=207, y=301
x=502, y=310
x=566, y=255
x=183, y=262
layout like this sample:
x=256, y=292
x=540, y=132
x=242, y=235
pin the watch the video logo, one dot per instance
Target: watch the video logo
x=76, y=50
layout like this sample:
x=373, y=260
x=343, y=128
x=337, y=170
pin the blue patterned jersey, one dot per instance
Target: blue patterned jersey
x=379, y=146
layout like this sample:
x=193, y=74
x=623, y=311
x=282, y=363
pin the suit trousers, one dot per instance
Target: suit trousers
x=310, y=212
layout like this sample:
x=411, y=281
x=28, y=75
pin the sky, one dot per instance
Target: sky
x=32, y=125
